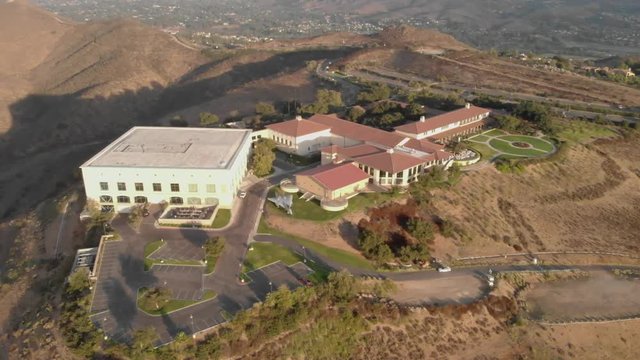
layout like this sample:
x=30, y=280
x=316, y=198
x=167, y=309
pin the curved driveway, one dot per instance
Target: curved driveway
x=121, y=273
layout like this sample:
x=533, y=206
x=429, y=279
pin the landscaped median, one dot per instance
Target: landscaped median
x=158, y=301
x=337, y=255
x=261, y=254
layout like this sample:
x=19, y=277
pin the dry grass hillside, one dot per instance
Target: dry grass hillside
x=84, y=84
x=588, y=201
x=476, y=69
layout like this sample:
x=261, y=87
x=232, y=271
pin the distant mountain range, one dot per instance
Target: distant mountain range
x=595, y=28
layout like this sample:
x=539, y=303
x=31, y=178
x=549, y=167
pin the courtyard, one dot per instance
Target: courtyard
x=497, y=143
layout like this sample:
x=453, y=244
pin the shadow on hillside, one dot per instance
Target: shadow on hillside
x=53, y=134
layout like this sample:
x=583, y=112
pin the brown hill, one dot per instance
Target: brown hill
x=418, y=39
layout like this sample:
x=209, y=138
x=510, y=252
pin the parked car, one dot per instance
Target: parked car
x=444, y=269
x=242, y=194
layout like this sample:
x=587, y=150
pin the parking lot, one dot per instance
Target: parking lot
x=179, y=250
x=185, y=282
x=277, y=274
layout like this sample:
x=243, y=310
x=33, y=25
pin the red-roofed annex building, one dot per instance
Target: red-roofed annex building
x=447, y=126
x=387, y=158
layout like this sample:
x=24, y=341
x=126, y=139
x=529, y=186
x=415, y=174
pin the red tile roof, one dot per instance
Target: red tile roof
x=297, y=127
x=391, y=162
x=357, y=131
x=435, y=122
x=336, y=176
x=423, y=145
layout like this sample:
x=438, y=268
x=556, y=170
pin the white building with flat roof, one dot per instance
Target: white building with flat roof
x=180, y=166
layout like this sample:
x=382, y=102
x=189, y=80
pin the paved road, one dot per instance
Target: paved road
x=122, y=274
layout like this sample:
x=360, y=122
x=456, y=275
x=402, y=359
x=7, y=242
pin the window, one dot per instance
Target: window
x=122, y=186
x=106, y=199
x=176, y=201
x=139, y=187
x=175, y=187
x=211, y=188
x=106, y=208
x=104, y=186
x=140, y=199
x=123, y=199
x=194, y=201
x=193, y=187
x=157, y=187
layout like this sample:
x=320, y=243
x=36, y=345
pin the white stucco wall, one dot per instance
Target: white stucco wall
x=226, y=182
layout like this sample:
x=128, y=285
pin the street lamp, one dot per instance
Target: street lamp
x=270, y=286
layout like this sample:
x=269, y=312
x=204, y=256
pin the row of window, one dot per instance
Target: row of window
x=280, y=140
x=176, y=200
x=211, y=188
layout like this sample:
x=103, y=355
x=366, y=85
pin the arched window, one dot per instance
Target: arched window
x=124, y=199
x=140, y=199
x=106, y=199
x=194, y=201
x=176, y=200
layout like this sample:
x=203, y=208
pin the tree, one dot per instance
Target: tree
x=421, y=229
x=213, y=247
x=536, y=113
x=144, y=341
x=341, y=286
x=155, y=298
x=265, y=108
x=414, y=109
x=78, y=281
x=263, y=157
x=208, y=119
x=326, y=101
x=508, y=123
x=355, y=113
x=376, y=91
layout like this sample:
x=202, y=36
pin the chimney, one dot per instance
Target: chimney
x=298, y=117
x=423, y=118
x=467, y=106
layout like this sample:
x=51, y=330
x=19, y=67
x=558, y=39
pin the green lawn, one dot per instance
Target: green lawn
x=486, y=152
x=480, y=138
x=261, y=254
x=337, y=255
x=222, y=219
x=506, y=147
x=495, y=132
x=151, y=247
x=311, y=210
x=267, y=253
x=173, y=304
x=536, y=142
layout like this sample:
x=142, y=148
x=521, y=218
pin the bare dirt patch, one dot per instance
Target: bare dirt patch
x=462, y=289
x=601, y=295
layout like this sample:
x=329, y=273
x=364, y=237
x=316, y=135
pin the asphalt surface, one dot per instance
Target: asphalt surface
x=122, y=273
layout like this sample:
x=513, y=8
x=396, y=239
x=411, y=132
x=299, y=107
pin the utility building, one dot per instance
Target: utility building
x=179, y=166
